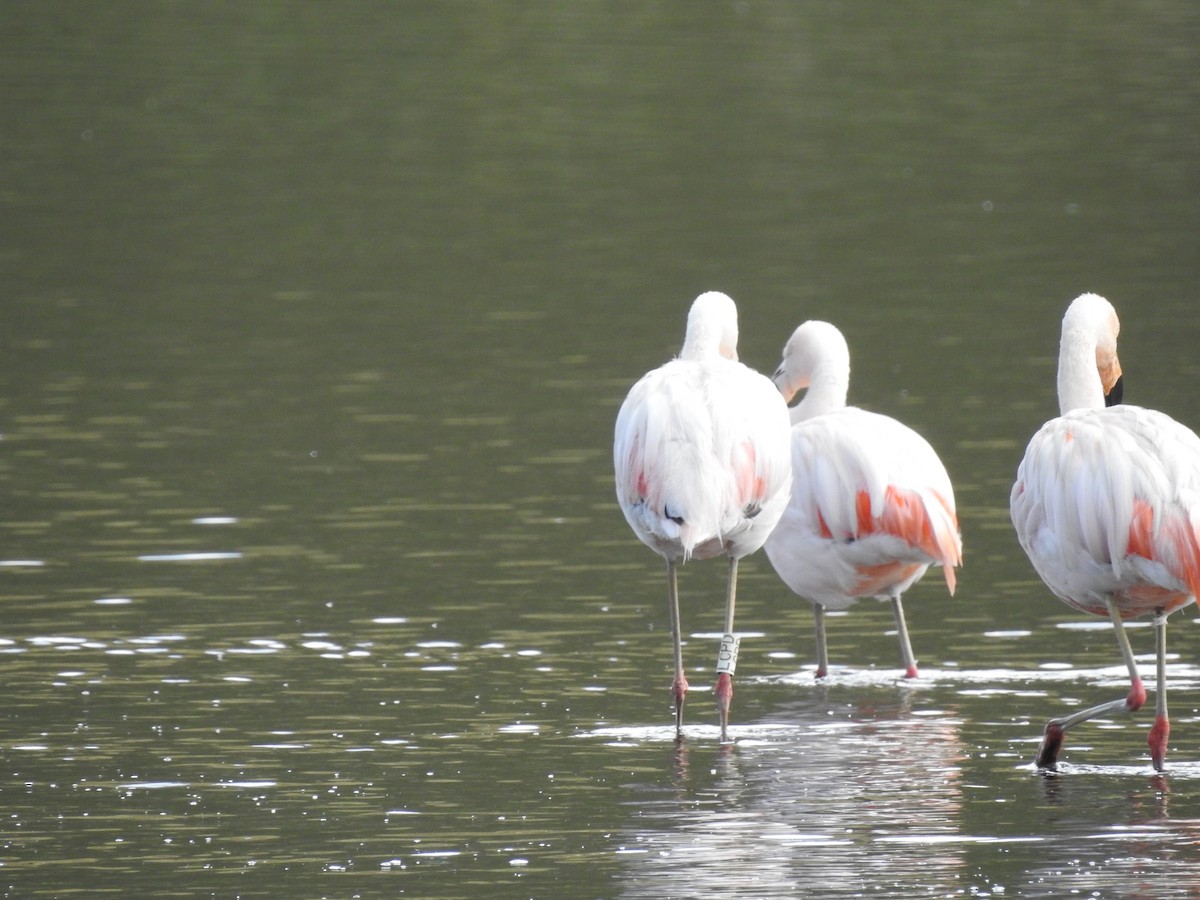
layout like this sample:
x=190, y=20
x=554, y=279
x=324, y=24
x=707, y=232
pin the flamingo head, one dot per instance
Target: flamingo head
x=1090, y=323
x=712, y=327
x=816, y=352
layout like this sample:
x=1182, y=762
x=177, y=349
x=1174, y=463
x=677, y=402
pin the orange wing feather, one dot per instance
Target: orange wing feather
x=905, y=516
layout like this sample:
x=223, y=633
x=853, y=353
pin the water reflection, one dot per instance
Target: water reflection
x=825, y=800
x=1145, y=853
x=1030, y=696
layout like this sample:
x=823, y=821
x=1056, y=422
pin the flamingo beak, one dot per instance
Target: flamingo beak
x=779, y=379
x=1113, y=382
x=1113, y=397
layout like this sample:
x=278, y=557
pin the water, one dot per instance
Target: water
x=316, y=323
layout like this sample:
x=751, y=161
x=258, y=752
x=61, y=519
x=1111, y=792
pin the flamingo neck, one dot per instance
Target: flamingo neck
x=712, y=329
x=1079, y=384
x=827, y=389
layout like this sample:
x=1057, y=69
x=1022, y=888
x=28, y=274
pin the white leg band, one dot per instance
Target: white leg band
x=727, y=655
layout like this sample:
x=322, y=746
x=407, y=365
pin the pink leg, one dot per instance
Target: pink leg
x=724, y=694
x=1157, y=740
x=906, y=651
x=1052, y=738
x=1161, y=729
x=724, y=687
x=822, y=649
x=679, y=689
x=679, y=686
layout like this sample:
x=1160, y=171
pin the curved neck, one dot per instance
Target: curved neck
x=827, y=388
x=1079, y=384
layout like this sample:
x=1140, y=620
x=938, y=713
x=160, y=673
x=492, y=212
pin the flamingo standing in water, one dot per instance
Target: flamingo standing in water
x=1107, y=507
x=871, y=507
x=702, y=469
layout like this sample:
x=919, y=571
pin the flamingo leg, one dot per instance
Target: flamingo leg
x=1052, y=738
x=724, y=686
x=1161, y=729
x=679, y=686
x=822, y=648
x=906, y=651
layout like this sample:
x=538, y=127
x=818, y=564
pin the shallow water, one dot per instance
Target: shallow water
x=317, y=319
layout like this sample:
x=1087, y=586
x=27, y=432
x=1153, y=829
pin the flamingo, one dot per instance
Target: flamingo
x=871, y=506
x=701, y=461
x=1107, y=507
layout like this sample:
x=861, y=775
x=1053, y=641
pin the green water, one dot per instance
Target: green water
x=316, y=321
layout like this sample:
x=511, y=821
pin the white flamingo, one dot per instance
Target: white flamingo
x=1107, y=506
x=702, y=469
x=871, y=507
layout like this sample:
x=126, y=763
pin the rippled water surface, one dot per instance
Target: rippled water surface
x=316, y=321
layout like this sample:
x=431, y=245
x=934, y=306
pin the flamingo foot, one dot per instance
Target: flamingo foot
x=724, y=694
x=1157, y=740
x=1055, y=729
x=679, y=689
x=911, y=671
x=821, y=672
x=1052, y=739
x=1137, y=696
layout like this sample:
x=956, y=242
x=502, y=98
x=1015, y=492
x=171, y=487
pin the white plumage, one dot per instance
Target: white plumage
x=1107, y=506
x=871, y=505
x=701, y=461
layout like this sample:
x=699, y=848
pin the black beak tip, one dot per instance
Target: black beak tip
x=1118, y=391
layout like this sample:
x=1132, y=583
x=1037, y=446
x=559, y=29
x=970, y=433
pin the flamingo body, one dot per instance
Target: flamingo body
x=871, y=509
x=871, y=505
x=697, y=456
x=1106, y=505
x=701, y=458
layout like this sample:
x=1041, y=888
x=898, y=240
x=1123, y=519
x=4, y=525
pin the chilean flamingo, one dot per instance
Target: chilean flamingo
x=701, y=460
x=871, y=507
x=1107, y=507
